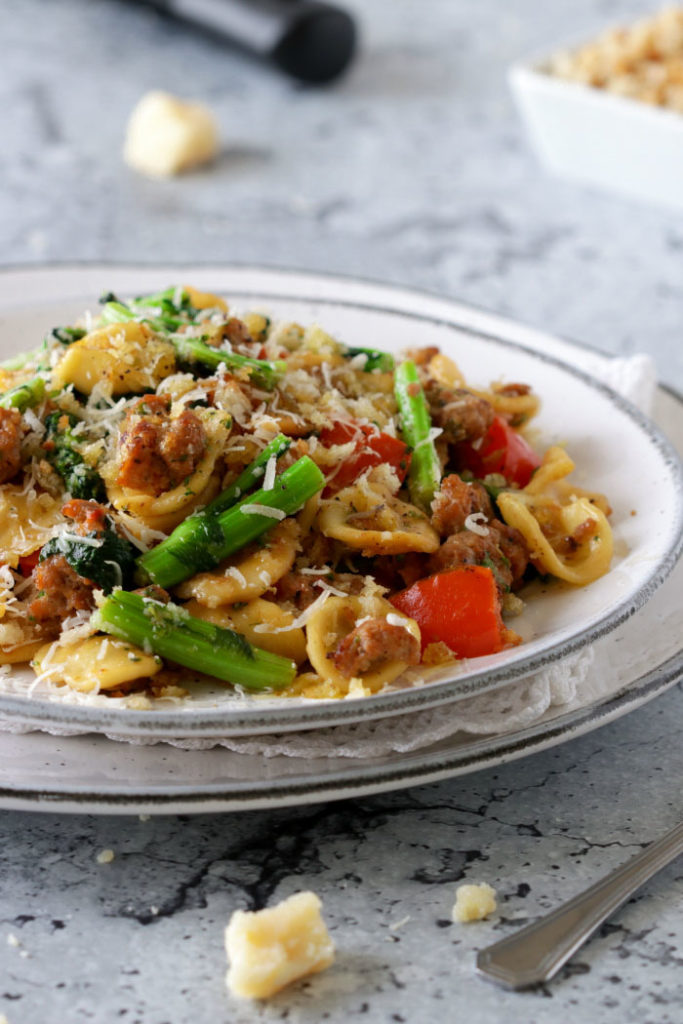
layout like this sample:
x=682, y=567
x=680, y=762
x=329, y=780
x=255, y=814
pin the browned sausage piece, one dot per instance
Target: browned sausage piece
x=455, y=501
x=157, y=453
x=373, y=642
x=300, y=588
x=461, y=415
x=10, y=443
x=502, y=549
x=62, y=590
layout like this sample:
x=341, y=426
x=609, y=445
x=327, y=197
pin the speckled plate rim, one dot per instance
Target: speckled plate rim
x=451, y=759
x=57, y=283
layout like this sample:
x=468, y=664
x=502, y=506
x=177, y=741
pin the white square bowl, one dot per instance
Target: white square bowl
x=601, y=139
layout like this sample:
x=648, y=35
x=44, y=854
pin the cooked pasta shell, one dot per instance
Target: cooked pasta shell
x=129, y=357
x=376, y=524
x=556, y=465
x=205, y=300
x=97, y=663
x=277, y=636
x=20, y=653
x=170, y=508
x=446, y=371
x=328, y=626
x=592, y=557
x=243, y=577
x=27, y=521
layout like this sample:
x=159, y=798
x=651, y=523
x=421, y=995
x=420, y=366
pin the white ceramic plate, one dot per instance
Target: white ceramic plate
x=617, y=449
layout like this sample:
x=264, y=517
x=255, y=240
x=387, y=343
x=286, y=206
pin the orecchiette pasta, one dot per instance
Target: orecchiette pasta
x=580, y=527
x=335, y=620
x=27, y=521
x=376, y=524
x=246, y=576
x=128, y=357
x=98, y=663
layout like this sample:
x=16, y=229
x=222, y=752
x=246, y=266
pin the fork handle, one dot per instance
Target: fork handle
x=537, y=952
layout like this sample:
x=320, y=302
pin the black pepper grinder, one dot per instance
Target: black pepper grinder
x=310, y=40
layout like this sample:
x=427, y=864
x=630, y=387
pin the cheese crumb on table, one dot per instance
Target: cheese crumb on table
x=474, y=902
x=105, y=856
x=167, y=135
x=268, y=949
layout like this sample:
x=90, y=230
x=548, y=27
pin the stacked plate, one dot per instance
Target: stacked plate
x=57, y=752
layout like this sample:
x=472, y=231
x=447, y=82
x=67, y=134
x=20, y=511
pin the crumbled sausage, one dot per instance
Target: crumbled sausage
x=157, y=453
x=461, y=415
x=512, y=390
x=301, y=589
x=234, y=331
x=10, y=443
x=371, y=643
x=88, y=516
x=422, y=356
x=503, y=550
x=455, y=501
x=61, y=590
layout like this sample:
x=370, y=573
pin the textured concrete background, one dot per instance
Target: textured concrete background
x=413, y=169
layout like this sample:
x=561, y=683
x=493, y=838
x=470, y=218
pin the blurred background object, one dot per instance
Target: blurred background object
x=412, y=168
x=309, y=40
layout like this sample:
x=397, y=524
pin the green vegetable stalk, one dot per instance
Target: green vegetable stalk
x=172, y=633
x=202, y=541
x=24, y=396
x=262, y=372
x=249, y=478
x=425, y=470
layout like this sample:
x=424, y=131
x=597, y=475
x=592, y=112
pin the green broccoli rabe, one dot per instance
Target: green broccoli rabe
x=68, y=335
x=80, y=479
x=103, y=557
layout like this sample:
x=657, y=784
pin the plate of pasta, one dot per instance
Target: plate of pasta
x=235, y=500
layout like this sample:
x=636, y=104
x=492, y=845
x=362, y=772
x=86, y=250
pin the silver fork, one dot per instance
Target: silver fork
x=537, y=952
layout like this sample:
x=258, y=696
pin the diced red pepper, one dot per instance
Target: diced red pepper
x=372, y=449
x=460, y=607
x=502, y=450
x=27, y=563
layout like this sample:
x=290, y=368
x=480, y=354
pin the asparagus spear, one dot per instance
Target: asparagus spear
x=376, y=359
x=173, y=633
x=202, y=541
x=262, y=373
x=249, y=478
x=24, y=396
x=424, y=475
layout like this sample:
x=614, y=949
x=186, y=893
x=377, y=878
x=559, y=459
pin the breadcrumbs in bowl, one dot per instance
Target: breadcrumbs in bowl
x=643, y=61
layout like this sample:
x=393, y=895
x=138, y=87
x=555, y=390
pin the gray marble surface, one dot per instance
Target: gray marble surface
x=413, y=169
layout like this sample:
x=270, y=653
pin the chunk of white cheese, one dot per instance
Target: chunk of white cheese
x=268, y=949
x=167, y=135
x=474, y=902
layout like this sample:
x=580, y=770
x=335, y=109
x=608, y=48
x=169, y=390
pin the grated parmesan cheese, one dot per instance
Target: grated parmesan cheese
x=269, y=475
x=475, y=523
x=254, y=509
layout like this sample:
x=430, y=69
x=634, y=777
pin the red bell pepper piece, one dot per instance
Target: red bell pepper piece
x=372, y=449
x=460, y=607
x=27, y=563
x=502, y=450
